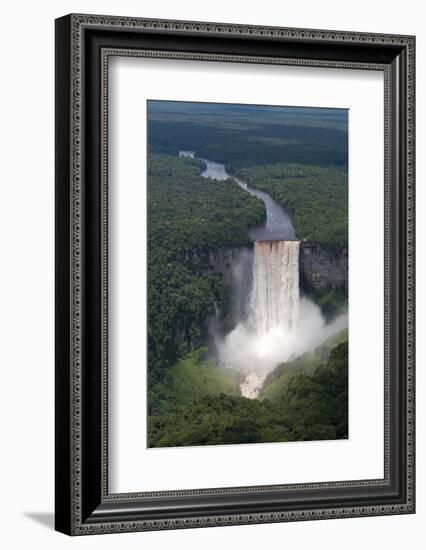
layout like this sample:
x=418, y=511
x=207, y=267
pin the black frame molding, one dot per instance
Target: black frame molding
x=84, y=43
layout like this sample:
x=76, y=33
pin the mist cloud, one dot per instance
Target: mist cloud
x=245, y=350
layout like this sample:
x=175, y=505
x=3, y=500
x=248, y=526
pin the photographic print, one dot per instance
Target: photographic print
x=202, y=299
x=247, y=274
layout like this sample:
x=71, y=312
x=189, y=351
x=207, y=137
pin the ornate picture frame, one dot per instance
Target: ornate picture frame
x=84, y=45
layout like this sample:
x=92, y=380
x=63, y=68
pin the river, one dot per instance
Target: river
x=278, y=226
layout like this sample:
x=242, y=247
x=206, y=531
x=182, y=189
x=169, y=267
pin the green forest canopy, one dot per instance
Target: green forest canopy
x=316, y=197
x=312, y=407
x=241, y=136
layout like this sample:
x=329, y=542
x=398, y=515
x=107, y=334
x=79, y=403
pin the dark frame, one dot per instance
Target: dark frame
x=83, y=46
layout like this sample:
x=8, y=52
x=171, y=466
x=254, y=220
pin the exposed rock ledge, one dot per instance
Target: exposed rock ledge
x=213, y=261
x=323, y=267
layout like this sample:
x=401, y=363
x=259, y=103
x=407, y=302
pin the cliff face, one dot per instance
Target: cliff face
x=234, y=267
x=323, y=268
x=206, y=262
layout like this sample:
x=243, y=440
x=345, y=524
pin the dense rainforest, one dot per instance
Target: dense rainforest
x=300, y=159
x=298, y=156
x=240, y=136
x=316, y=197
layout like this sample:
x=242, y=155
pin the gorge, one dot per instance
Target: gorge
x=272, y=322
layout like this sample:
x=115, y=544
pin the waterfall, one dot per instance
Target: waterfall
x=275, y=293
x=279, y=325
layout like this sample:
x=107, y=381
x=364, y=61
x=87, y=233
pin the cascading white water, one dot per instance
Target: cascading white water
x=274, y=303
x=275, y=294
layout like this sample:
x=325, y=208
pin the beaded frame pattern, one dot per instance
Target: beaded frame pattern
x=79, y=22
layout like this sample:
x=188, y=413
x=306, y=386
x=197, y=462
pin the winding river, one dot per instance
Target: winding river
x=278, y=225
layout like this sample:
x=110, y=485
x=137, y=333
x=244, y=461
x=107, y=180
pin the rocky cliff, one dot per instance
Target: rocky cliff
x=234, y=266
x=323, y=276
x=206, y=262
x=323, y=267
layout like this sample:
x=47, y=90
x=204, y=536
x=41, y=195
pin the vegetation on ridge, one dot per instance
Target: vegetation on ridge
x=312, y=407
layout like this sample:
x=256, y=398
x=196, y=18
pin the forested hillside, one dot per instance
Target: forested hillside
x=312, y=407
x=278, y=380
